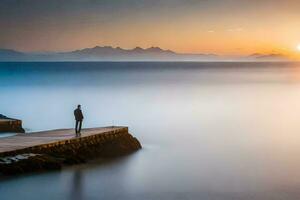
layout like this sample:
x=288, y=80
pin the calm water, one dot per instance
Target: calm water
x=210, y=131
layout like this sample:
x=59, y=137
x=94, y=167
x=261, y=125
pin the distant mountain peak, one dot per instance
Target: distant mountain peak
x=151, y=50
x=271, y=56
x=155, y=48
x=10, y=51
x=138, y=49
x=104, y=47
x=119, y=48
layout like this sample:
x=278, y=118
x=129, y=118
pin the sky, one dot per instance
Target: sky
x=225, y=27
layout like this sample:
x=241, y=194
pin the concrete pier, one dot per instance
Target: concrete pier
x=57, y=147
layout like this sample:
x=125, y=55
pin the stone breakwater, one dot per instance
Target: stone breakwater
x=107, y=143
x=10, y=125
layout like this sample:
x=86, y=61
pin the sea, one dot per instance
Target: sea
x=209, y=130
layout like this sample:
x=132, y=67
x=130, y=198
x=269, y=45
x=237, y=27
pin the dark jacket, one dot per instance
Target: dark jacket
x=78, y=115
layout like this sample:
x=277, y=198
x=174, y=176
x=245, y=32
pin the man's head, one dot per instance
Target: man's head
x=79, y=106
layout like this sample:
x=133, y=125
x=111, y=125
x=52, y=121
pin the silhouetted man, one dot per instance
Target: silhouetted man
x=78, y=117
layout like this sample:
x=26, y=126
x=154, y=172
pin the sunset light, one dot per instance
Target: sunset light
x=184, y=27
x=150, y=99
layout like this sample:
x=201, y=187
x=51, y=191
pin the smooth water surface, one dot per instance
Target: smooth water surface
x=210, y=131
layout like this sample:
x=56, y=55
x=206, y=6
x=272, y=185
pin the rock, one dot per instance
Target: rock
x=28, y=163
x=10, y=125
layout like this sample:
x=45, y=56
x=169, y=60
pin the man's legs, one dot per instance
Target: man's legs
x=76, y=128
x=79, y=130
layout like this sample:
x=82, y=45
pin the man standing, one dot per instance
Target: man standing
x=78, y=117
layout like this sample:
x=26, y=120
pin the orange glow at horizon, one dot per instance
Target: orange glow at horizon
x=223, y=28
x=190, y=38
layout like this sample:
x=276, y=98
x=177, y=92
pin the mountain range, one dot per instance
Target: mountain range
x=108, y=53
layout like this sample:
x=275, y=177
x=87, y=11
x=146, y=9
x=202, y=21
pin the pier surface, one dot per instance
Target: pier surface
x=21, y=142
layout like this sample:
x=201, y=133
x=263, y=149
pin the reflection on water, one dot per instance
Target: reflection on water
x=209, y=130
x=76, y=190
